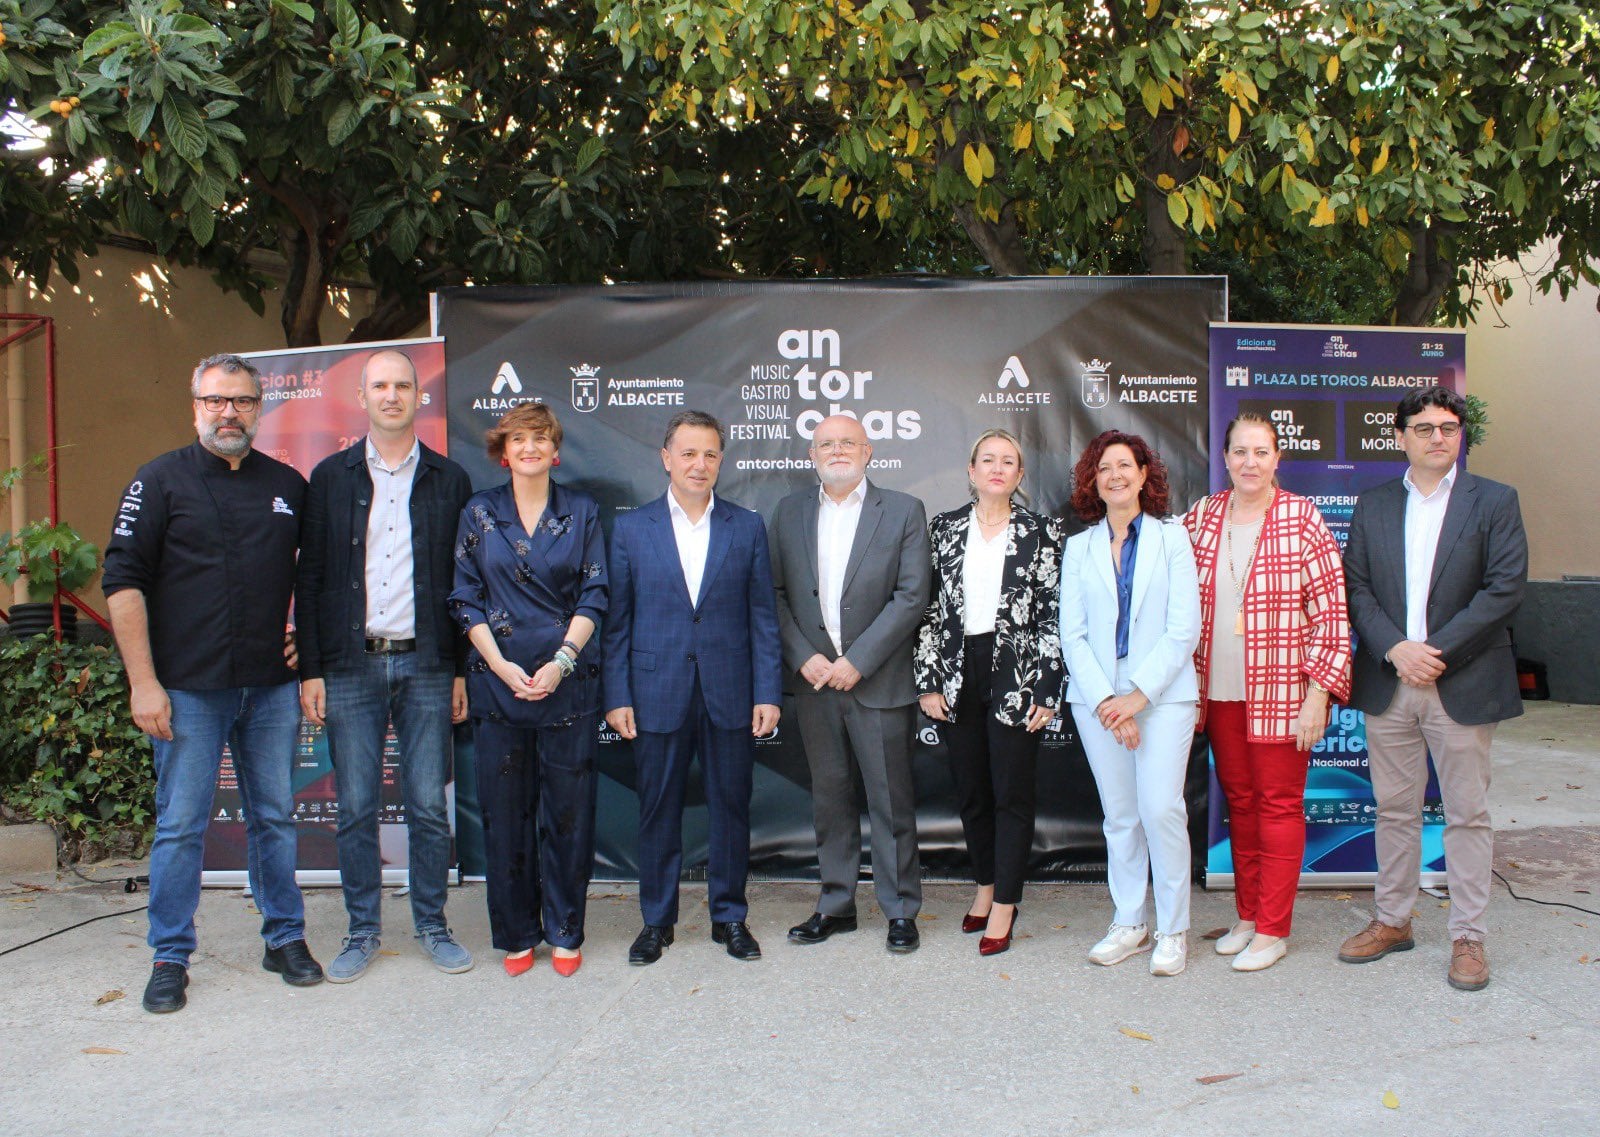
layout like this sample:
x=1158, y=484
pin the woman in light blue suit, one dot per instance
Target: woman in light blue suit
x=1130, y=619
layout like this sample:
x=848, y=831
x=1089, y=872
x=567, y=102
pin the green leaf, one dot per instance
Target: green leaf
x=348, y=23
x=342, y=123
x=294, y=8
x=203, y=225
x=109, y=38
x=184, y=126
x=403, y=236
x=589, y=153
x=1177, y=209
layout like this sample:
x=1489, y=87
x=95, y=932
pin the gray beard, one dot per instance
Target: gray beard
x=229, y=447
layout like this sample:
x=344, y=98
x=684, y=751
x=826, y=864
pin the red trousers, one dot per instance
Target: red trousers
x=1265, y=784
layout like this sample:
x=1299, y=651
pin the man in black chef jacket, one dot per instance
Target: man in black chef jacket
x=198, y=575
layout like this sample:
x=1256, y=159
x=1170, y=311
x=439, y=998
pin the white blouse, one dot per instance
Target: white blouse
x=981, y=571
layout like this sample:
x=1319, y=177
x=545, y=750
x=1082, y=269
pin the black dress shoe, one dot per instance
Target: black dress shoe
x=903, y=935
x=293, y=961
x=736, y=935
x=820, y=927
x=648, y=944
x=164, y=992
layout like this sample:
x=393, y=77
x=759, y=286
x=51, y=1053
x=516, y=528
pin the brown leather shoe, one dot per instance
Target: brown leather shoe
x=1469, y=968
x=1375, y=941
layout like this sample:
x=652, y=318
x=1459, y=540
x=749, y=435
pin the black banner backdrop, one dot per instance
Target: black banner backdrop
x=926, y=364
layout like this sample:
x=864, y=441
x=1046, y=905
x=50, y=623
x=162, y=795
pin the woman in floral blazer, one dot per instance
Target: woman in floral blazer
x=988, y=664
x=530, y=590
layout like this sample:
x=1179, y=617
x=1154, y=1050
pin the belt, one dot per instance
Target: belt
x=379, y=646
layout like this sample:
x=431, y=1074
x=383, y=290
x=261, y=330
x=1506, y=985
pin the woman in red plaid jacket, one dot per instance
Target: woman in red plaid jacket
x=1274, y=649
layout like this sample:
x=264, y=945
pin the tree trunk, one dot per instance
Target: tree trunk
x=305, y=291
x=1166, y=250
x=1001, y=245
x=393, y=317
x=1429, y=272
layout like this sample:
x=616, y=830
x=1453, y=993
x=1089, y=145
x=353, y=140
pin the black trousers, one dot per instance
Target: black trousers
x=995, y=768
x=536, y=788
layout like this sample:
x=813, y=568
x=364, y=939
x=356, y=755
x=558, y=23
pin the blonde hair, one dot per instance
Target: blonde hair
x=1006, y=436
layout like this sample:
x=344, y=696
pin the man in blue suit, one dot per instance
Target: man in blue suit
x=692, y=665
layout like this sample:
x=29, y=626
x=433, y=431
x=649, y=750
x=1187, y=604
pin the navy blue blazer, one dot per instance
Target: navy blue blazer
x=656, y=640
x=330, y=599
x=527, y=587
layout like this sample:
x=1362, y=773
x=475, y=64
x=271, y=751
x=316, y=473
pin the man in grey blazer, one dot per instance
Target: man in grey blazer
x=1435, y=566
x=852, y=569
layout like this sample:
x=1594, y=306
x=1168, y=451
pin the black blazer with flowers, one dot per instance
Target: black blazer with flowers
x=1027, y=647
x=527, y=587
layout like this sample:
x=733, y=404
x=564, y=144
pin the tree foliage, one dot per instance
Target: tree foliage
x=411, y=146
x=380, y=142
x=1443, y=134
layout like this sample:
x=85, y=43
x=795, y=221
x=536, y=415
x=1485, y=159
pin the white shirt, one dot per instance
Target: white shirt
x=836, y=536
x=1424, y=519
x=391, y=581
x=982, y=569
x=694, y=542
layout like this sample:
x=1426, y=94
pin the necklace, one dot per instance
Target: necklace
x=997, y=521
x=1233, y=572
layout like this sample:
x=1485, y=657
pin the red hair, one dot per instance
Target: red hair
x=1154, y=496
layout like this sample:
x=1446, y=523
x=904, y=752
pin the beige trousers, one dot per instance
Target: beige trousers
x=1398, y=744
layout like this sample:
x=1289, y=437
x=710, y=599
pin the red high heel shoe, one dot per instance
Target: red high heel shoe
x=566, y=965
x=995, y=946
x=517, y=964
x=971, y=923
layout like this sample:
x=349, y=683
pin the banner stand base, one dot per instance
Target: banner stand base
x=1223, y=881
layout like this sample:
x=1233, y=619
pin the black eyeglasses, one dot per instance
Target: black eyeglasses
x=1424, y=430
x=244, y=404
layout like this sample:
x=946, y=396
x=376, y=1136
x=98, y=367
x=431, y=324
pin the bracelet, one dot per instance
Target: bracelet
x=576, y=650
x=564, y=662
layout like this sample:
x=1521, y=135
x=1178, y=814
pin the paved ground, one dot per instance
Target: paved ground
x=842, y=1037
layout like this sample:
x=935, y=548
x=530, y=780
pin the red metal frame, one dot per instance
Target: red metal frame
x=31, y=324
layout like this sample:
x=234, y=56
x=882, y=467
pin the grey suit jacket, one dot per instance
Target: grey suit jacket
x=1479, y=573
x=886, y=586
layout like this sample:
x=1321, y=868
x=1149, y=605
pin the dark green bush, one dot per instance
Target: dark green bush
x=70, y=755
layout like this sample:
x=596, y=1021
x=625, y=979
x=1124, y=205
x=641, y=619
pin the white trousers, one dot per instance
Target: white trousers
x=1147, y=822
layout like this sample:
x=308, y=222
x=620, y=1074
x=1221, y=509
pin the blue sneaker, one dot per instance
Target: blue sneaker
x=447, y=955
x=354, y=958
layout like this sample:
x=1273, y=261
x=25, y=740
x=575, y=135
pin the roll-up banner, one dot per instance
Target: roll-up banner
x=926, y=364
x=1331, y=392
x=309, y=411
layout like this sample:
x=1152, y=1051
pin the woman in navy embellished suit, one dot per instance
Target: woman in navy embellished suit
x=530, y=590
x=988, y=666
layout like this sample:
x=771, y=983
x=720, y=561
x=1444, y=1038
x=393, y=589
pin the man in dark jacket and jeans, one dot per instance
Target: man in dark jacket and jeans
x=198, y=576
x=377, y=644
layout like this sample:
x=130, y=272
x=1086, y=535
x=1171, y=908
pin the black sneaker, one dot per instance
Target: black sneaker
x=164, y=993
x=293, y=961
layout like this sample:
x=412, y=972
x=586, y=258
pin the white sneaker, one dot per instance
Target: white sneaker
x=1264, y=958
x=1237, y=939
x=1171, y=954
x=1121, y=941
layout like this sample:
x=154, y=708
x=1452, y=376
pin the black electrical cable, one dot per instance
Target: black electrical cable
x=1536, y=900
x=72, y=927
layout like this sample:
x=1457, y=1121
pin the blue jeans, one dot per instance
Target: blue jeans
x=260, y=725
x=362, y=699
